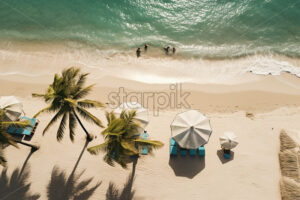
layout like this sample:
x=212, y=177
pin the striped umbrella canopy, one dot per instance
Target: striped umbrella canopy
x=228, y=140
x=12, y=107
x=141, y=112
x=191, y=129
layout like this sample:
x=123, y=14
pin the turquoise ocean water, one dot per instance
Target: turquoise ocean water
x=197, y=28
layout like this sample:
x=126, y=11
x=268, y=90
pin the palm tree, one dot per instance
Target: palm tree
x=5, y=138
x=121, y=139
x=65, y=98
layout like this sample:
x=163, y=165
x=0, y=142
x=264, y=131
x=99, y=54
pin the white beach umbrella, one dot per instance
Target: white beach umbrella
x=228, y=140
x=141, y=112
x=12, y=107
x=191, y=129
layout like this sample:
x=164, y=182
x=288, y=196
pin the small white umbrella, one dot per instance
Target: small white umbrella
x=228, y=140
x=141, y=112
x=12, y=107
x=191, y=129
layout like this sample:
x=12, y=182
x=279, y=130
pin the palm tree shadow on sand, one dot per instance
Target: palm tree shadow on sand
x=127, y=193
x=17, y=186
x=187, y=166
x=62, y=188
x=26, y=161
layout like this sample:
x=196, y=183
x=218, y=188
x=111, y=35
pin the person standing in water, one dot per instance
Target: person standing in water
x=145, y=47
x=138, y=52
x=167, y=49
x=173, y=50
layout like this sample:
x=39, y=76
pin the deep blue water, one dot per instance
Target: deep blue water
x=201, y=28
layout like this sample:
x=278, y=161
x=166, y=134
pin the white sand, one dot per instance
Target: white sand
x=252, y=174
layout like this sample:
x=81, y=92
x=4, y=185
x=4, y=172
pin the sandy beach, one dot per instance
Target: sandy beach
x=235, y=63
x=272, y=104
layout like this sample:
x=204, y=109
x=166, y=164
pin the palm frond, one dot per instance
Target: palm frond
x=72, y=125
x=89, y=116
x=90, y=104
x=71, y=101
x=109, y=160
x=53, y=120
x=47, y=109
x=151, y=143
x=70, y=73
x=62, y=127
x=110, y=116
x=83, y=92
x=6, y=138
x=38, y=95
x=129, y=146
x=96, y=149
x=113, y=134
x=82, y=79
x=19, y=124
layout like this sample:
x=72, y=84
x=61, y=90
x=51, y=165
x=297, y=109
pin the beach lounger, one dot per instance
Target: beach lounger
x=201, y=151
x=144, y=136
x=226, y=154
x=183, y=152
x=173, y=150
x=27, y=131
x=173, y=147
x=193, y=152
x=173, y=142
x=144, y=150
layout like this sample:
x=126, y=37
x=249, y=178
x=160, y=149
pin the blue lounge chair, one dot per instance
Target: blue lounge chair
x=11, y=129
x=24, y=131
x=173, y=147
x=173, y=150
x=201, y=151
x=226, y=154
x=173, y=142
x=144, y=136
x=193, y=152
x=144, y=150
x=183, y=152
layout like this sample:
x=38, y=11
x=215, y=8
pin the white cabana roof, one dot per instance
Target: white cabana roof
x=12, y=107
x=191, y=129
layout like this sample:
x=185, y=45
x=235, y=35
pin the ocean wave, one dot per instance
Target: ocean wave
x=149, y=69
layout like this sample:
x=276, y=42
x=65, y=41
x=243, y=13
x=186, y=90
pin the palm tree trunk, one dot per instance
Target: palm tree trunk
x=88, y=136
x=33, y=147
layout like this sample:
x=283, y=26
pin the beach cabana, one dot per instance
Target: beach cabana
x=228, y=141
x=190, y=130
x=12, y=107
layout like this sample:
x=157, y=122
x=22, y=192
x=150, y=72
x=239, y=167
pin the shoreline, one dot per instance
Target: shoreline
x=42, y=60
